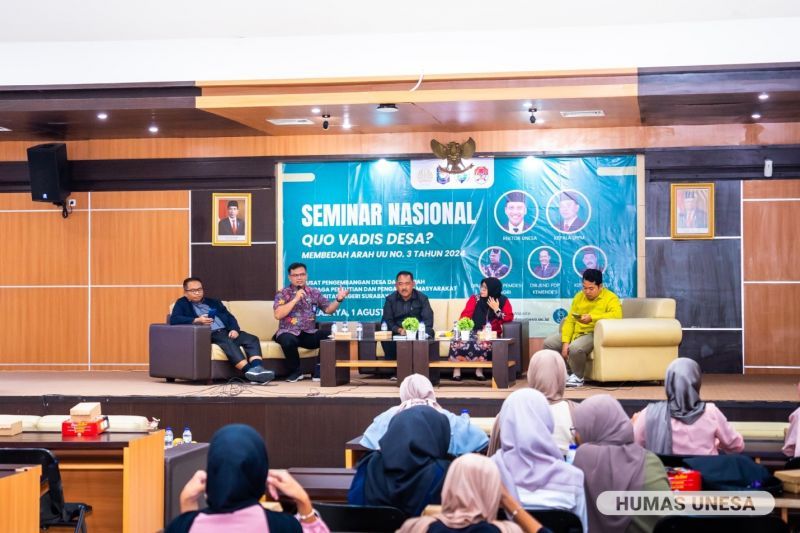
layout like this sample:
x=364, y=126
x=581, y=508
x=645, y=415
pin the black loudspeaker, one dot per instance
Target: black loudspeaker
x=48, y=169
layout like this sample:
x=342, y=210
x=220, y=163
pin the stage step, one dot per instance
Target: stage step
x=465, y=364
x=366, y=364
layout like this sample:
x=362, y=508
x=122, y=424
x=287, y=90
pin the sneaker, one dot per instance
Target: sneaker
x=294, y=377
x=259, y=374
x=315, y=374
x=574, y=381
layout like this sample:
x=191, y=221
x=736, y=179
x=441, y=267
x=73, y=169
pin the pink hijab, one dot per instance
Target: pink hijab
x=547, y=373
x=471, y=495
x=415, y=390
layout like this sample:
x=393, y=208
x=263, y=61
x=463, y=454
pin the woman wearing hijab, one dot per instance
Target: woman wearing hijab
x=547, y=373
x=408, y=471
x=234, y=483
x=531, y=466
x=611, y=461
x=790, y=448
x=488, y=307
x=685, y=425
x=418, y=390
x=471, y=496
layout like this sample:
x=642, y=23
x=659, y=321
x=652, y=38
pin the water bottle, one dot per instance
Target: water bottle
x=465, y=414
x=334, y=329
x=359, y=331
x=384, y=327
x=345, y=328
x=168, y=437
x=187, y=435
x=455, y=329
x=571, y=453
x=487, y=331
x=421, y=332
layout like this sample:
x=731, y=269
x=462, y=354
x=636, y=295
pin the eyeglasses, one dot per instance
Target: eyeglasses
x=300, y=275
x=194, y=291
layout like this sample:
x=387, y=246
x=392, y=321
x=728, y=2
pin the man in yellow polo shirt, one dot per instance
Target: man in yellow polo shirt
x=576, y=339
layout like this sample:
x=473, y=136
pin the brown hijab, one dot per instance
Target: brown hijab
x=471, y=495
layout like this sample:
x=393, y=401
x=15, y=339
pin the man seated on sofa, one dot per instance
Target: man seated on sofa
x=195, y=308
x=576, y=339
x=404, y=302
x=296, y=311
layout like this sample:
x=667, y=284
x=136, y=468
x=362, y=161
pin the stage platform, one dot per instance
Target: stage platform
x=307, y=425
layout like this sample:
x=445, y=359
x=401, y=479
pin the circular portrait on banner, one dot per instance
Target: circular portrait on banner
x=495, y=262
x=589, y=257
x=568, y=211
x=544, y=262
x=516, y=212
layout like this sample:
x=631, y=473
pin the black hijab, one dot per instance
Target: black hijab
x=237, y=469
x=409, y=469
x=483, y=313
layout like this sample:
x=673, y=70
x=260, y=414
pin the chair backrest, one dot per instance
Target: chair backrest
x=792, y=464
x=729, y=524
x=358, y=518
x=648, y=308
x=254, y=316
x=558, y=520
x=52, y=502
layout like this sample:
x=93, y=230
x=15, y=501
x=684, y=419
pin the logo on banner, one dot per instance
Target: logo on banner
x=427, y=174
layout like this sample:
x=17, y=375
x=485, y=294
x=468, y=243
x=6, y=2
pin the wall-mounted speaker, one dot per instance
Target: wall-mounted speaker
x=48, y=169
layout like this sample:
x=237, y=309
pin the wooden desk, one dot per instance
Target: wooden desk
x=121, y=475
x=428, y=362
x=335, y=362
x=20, y=490
x=325, y=484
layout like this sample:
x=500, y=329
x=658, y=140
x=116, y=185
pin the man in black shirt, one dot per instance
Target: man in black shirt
x=405, y=302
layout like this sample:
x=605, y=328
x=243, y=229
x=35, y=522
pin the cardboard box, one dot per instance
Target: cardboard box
x=383, y=335
x=684, y=479
x=790, y=480
x=85, y=412
x=343, y=336
x=487, y=337
x=10, y=425
x=72, y=428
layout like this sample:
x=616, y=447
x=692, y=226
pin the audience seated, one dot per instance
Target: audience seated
x=418, y=390
x=611, y=461
x=685, y=425
x=408, y=470
x=531, y=466
x=237, y=476
x=471, y=496
x=790, y=443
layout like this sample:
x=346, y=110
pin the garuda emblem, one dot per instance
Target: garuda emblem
x=453, y=152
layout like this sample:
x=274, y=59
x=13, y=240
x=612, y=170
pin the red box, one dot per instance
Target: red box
x=84, y=429
x=683, y=479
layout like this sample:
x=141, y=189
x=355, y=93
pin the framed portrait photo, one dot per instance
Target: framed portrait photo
x=230, y=215
x=692, y=210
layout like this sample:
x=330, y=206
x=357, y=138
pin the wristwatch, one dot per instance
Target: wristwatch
x=338, y=300
x=313, y=512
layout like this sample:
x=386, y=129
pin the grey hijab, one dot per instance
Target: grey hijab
x=683, y=403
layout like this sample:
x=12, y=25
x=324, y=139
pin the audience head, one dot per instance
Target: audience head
x=600, y=419
x=494, y=287
x=547, y=373
x=419, y=431
x=417, y=387
x=682, y=385
x=471, y=492
x=237, y=468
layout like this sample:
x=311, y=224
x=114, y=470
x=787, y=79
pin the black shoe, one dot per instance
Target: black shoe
x=294, y=377
x=457, y=378
x=480, y=378
x=259, y=374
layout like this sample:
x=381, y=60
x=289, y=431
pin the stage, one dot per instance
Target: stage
x=307, y=425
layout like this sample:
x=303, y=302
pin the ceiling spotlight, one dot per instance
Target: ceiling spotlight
x=763, y=96
x=532, y=110
x=102, y=116
x=315, y=110
x=346, y=125
x=755, y=116
x=325, y=123
x=153, y=129
x=387, y=108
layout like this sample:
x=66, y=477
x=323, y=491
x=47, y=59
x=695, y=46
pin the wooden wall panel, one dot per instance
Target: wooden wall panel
x=22, y=200
x=771, y=245
x=140, y=247
x=48, y=325
x=772, y=337
x=42, y=248
x=772, y=189
x=140, y=199
x=120, y=321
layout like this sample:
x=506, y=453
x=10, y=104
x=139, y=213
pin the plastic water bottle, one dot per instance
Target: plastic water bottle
x=168, y=437
x=421, y=331
x=465, y=414
x=345, y=328
x=187, y=435
x=334, y=328
x=384, y=327
x=455, y=329
x=359, y=331
x=487, y=331
x=570, y=458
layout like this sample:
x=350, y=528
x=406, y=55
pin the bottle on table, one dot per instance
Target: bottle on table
x=168, y=437
x=359, y=331
x=465, y=414
x=384, y=327
x=187, y=435
x=573, y=448
x=422, y=335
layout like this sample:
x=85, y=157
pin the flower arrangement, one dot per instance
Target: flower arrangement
x=465, y=324
x=410, y=324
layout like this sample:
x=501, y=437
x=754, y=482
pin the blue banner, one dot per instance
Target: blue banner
x=535, y=223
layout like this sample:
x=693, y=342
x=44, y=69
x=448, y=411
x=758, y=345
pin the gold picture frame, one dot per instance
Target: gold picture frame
x=231, y=215
x=692, y=210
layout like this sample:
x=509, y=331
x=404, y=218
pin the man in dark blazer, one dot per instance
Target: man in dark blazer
x=195, y=308
x=546, y=269
x=232, y=225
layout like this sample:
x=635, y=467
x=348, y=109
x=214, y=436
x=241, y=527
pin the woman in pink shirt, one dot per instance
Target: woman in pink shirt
x=685, y=425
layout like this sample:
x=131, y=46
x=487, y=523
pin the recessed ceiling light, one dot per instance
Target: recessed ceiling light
x=763, y=96
x=527, y=104
x=387, y=108
x=153, y=129
x=583, y=114
x=315, y=110
x=290, y=121
x=4, y=129
x=755, y=116
x=347, y=125
x=102, y=116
